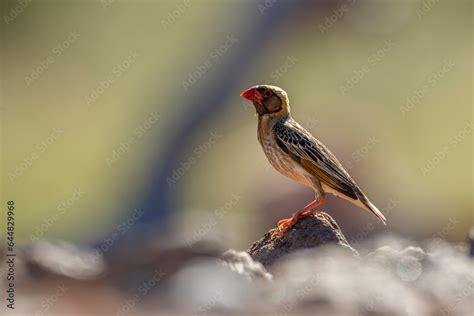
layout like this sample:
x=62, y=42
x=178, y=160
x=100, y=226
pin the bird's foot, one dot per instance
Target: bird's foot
x=286, y=224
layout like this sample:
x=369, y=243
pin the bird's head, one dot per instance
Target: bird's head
x=268, y=100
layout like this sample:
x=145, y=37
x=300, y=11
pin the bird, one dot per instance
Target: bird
x=298, y=155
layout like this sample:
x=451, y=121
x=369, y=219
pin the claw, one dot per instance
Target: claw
x=286, y=224
x=275, y=232
x=283, y=223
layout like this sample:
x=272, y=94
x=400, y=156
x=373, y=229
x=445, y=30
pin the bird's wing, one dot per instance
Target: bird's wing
x=314, y=157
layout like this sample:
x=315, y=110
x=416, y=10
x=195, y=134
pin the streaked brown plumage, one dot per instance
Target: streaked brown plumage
x=295, y=153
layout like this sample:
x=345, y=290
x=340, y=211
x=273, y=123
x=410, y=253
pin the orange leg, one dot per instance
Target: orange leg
x=285, y=225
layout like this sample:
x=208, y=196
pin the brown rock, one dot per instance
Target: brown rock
x=314, y=231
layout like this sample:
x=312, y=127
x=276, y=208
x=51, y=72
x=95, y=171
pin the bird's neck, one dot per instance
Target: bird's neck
x=267, y=121
x=273, y=117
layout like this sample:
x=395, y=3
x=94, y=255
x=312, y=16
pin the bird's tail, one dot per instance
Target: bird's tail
x=372, y=208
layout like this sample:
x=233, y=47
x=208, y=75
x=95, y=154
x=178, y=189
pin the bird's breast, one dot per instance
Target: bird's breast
x=280, y=160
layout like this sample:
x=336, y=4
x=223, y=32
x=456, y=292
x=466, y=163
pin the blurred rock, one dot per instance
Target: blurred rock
x=325, y=279
x=65, y=259
x=206, y=286
x=335, y=282
x=132, y=266
x=406, y=263
x=314, y=231
x=243, y=264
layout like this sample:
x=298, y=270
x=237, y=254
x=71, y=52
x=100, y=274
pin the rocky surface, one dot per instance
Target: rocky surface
x=313, y=270
x=243, y=264
x=315, y=231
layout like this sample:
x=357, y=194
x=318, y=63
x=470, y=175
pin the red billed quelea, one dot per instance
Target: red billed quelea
x=295, y=153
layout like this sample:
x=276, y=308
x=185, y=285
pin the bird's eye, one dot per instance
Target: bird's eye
x=267, y=93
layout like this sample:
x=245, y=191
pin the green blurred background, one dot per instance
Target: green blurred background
x=94, y=94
